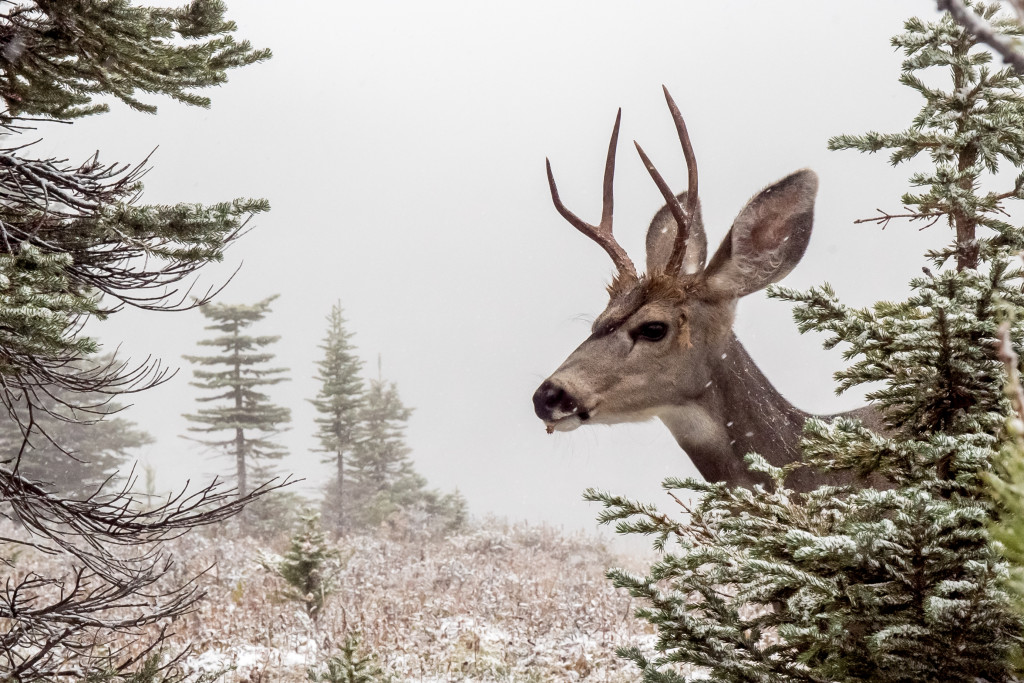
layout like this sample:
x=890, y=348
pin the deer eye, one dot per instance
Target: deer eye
x=651, y=331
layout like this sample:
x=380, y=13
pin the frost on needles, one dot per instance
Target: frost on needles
x=895, y=581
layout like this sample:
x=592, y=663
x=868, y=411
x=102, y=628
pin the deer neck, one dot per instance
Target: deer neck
x=739, y=412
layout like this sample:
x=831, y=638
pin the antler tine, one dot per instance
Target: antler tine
x=673, y=205
x=602, y=233
x=675, y=261
x=682, y=216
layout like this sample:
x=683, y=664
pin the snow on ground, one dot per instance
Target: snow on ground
x=496, y=602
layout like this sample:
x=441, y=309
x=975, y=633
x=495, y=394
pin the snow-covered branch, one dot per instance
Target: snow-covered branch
x=1008, y=49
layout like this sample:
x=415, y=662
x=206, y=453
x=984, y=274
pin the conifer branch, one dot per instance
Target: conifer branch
x=76, y=244
x=984, y=31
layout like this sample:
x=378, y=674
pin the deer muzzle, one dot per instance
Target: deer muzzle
x=557, y=407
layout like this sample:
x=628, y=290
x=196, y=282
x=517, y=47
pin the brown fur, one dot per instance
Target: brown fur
x=656, y=287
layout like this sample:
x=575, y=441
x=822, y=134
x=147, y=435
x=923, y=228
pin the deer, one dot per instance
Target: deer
x=664, y=346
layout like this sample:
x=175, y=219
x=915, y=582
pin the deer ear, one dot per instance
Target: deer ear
x=661, y=236
x=767, y=239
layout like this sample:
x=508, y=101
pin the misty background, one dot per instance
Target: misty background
x=401, y=145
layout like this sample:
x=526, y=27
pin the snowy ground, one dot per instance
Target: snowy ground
x=496, y=603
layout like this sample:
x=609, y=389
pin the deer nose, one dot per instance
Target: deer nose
x=552, y=402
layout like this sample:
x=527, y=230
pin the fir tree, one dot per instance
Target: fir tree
x=77, y=243
x=383, y=478
x=965, y=130
x=340, y=402
x=898, y=583
x=995, y=36
x=59, y=56
x=350, y=665
x=309, y=567
x=241, y=370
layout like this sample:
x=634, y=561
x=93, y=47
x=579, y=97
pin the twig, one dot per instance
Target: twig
x=884, y=218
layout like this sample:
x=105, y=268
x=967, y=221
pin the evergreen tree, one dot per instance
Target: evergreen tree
x=350, y=665
x=995, y=36
x=79, y=443
x=309, y=567
x=340, y=402
x=245, y=412
x=383, y=479
x=76, y=243
x=898, y=583
x=59, y=56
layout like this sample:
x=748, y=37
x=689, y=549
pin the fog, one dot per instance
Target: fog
x=401, y=145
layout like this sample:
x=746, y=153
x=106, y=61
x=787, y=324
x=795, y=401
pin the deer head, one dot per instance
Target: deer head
x=659, y=347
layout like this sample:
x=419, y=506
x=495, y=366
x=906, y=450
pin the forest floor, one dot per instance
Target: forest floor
x=495, y=602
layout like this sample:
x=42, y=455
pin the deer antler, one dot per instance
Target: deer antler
x=682, y=216
x=602, y=233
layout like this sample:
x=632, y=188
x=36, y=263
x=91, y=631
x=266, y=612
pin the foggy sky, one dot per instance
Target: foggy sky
x=401, y=145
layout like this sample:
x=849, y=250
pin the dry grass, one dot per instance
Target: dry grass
x=496, y=603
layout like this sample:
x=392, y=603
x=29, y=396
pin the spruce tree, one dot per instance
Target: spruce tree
x=59, y=55
x=241, y=369
x=899, y=582
x=339, y=401
x=383, y=478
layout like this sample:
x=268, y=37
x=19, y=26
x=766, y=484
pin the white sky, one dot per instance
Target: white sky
x=401, y=145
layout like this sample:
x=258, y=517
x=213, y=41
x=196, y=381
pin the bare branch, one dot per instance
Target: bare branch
x=115, y=585
x=884, y=218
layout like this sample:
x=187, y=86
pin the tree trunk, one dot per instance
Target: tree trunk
x=240, y=462
x=340, y=516
x=239, y=432
x=966, y=226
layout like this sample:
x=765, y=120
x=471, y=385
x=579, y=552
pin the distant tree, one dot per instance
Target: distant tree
x=245, y=412
x=443, y=513
x=76, y=243
x=81, y=442
x=383, y=479
x=902, y=582
x=339, y=401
